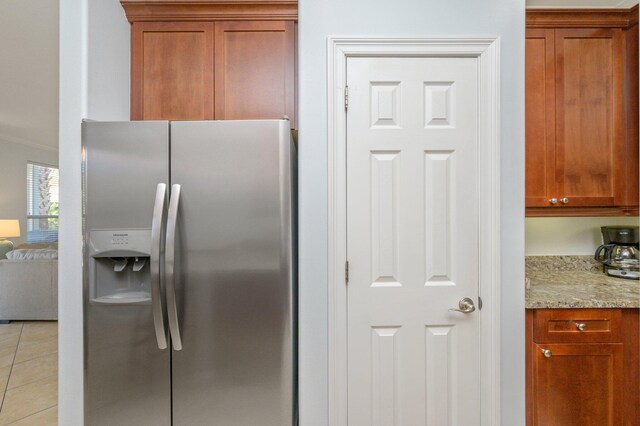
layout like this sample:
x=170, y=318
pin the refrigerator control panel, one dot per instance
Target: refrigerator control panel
x=119, y=242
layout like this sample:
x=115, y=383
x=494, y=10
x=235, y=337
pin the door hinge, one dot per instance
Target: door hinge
x=346, y=98
x=346, y=272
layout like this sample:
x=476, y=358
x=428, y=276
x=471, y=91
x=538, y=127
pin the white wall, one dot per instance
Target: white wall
x=29, y=71
x=432, y=18
x=94, y=83
x=13, y=180
x=568, y=235
x=108, y=61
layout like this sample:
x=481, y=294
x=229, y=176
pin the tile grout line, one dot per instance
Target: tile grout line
x=32, y=414
x=34, y=381
x=4, y=392
x=6, y=389
x=38, y=357
x=40, y=339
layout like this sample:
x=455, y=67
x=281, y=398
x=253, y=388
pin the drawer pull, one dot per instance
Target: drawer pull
x=547, y=353
x=581, y=326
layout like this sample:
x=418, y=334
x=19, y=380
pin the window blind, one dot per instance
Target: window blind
x=42, y=203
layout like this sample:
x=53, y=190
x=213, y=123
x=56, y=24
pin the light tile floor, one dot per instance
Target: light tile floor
x=29, y=373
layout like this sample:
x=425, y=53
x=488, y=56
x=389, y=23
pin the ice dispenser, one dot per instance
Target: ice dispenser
x=119, y=266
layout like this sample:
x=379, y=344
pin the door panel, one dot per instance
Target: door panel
x=578, y=384
x=254, y=70
x=127, y=378
x=412, y=241
x=234, y=274
x=589, y=141
x=540, y=122
x=172, y=71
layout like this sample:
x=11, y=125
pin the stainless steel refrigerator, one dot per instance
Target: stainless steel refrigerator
x=189, y=273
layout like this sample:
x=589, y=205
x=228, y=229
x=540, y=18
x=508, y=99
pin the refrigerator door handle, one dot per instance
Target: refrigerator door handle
x=154, y=263
x=169, y=259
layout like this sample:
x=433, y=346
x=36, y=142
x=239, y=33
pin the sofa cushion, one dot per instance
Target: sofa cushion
x=32, y=254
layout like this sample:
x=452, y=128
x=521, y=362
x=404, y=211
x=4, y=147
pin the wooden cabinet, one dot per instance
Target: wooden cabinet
x=589, y=144
x=254, y=70
x=172, y=71
x=540, y=124
x=212, y=60
x=579, y=122
x=578, y=385
x=582, y=367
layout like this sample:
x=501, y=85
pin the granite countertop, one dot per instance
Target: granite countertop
x=576, y=282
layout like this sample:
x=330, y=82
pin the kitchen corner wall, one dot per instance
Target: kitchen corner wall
x=94, y=83
x=568, y=235
x=425, y=18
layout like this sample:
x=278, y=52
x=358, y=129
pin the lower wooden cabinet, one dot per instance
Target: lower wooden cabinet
x=578, y=384
x=590, y=379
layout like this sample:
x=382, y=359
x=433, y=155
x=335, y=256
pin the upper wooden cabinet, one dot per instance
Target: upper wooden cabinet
x=254, y=70
x=589, y=144
x=212, y=60
x=540, y=125
x=580, y=118
x=172, y=71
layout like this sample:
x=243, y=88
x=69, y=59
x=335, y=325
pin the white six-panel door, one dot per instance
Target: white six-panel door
x=412, y=241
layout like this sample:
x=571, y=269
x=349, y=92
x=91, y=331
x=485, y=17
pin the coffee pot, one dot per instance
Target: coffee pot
x=619, y=254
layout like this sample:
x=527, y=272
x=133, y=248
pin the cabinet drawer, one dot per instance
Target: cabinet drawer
x=577, y=326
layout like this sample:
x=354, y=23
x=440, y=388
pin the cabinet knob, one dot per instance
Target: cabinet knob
x=581, y=326
x=553, y=201
x=547, y=353
x=564, y=200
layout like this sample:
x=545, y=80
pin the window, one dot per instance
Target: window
x=42, y=203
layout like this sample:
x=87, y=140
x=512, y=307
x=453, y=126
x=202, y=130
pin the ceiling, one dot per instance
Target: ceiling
x=625, y=4
x=29, y=72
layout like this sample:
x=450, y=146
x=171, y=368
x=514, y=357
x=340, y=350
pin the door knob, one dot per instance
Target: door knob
x=465, y=305
x=553, y=201
x=564, y=200
x=547, y=353
x=581, y=326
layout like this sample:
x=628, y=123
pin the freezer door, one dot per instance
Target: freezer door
x=127, y=376
x=233, y=274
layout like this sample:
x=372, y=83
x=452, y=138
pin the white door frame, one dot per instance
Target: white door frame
x=487, y=50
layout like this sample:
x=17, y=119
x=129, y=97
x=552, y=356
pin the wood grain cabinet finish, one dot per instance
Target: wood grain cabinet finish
x=172, y=71
x=254, y=70
x=212, y=60
x=578, y=326
x=540, y=123
x=584, y=377
x=581, y=116
x=589, y=139
x=562, y=394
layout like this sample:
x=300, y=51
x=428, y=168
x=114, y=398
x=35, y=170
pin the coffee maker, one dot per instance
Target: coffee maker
x=619, y=254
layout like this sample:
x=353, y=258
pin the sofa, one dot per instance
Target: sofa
x=29, y=284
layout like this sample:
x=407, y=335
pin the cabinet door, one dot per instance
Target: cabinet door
x=540, y=122
x=172, y=71
x=589, y=138
x=254, y=63
x=578, y=384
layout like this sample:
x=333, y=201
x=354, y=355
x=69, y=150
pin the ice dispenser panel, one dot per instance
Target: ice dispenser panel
x=119, y=266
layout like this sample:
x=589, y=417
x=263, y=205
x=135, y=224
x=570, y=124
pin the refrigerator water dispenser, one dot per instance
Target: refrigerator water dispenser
x=119, y=266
